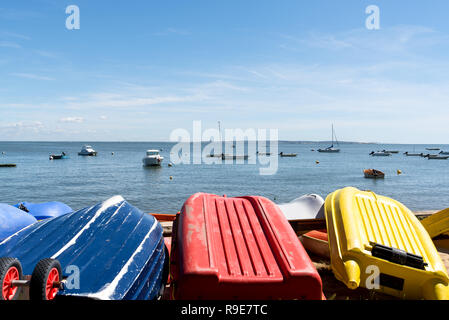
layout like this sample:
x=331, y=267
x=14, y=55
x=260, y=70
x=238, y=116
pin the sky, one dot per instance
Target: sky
x=136, y=70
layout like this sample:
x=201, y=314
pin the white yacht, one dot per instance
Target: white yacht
x=87, y=151
x=152, y=158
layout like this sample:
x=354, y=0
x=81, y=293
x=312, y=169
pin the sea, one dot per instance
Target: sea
x=117, y=170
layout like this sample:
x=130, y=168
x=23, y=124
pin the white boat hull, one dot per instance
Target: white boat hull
x=152, y=161
x=89, y=154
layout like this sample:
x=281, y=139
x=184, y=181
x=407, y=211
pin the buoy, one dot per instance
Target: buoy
x=171, y=178
x=317, y=162
x=399, y=172
x=112, y=153
x=170, y=165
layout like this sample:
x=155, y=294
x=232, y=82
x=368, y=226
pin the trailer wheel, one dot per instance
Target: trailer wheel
x=45, y=280
x=10, y=269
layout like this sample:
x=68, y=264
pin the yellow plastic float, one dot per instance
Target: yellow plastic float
x=377, y=243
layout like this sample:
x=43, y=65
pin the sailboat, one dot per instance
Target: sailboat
x=331, y=149
x=218, y=155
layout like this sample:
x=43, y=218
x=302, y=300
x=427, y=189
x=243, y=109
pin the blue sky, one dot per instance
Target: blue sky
x=136, y=70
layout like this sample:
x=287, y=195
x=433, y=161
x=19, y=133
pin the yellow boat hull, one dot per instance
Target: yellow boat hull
x=358, y=223
x=437, y=224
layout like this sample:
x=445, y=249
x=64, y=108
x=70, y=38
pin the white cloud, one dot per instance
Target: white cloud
x=9, y=44
x=72, y=120
x=31, y=76
x=22, y=126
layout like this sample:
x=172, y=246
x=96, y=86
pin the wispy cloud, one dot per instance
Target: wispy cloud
x=7, y=34
x=390, y=39
x=46, y=54
x=72, y=120
x=31, y=76
x=9, y=44
x=22, y=125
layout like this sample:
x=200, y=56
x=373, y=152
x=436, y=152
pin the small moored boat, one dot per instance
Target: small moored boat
x=436, y=157
x=232, y=157
x=63, y=155
x=87, y=151
x=331, y=148
x=152, y=158
x=373, y=174
x=380, y=154
x=288, y=154
x=412, y=154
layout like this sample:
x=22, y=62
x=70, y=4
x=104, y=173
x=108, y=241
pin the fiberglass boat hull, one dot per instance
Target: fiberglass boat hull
x=238, y=248
x=359, y=222
x=118, y=251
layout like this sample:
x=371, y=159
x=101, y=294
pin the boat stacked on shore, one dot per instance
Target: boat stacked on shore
x=224, y=248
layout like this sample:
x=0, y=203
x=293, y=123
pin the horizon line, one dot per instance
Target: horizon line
x=165, y=141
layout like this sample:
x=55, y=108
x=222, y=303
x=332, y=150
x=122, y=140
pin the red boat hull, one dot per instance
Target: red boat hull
x=238, y=248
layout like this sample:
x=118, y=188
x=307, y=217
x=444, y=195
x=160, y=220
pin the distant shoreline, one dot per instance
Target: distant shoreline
x=284, y=141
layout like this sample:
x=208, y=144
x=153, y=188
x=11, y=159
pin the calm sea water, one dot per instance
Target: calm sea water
x=84, y=181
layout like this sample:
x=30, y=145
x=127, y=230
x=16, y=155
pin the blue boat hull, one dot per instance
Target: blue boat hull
x=44, y=210
x=118, y=250
x=13, y=220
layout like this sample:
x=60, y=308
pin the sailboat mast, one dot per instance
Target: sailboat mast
x=332, y=135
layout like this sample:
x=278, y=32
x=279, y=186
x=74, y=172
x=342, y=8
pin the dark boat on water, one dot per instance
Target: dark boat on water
x=63, y=155
x=373, y=174
x=288, y=154
x=117, y=250
x=233, y=157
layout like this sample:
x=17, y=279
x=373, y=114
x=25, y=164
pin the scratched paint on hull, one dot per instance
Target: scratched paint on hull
x=118, y=249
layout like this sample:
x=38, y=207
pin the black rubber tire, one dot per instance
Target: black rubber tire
x=39, y=278
x=5, y=264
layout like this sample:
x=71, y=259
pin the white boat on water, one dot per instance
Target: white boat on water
x=331, y=149
x=87, y=151
x=380, y=154
x=152, y=158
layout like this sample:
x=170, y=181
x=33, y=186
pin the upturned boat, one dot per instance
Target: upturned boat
x=110, y=251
